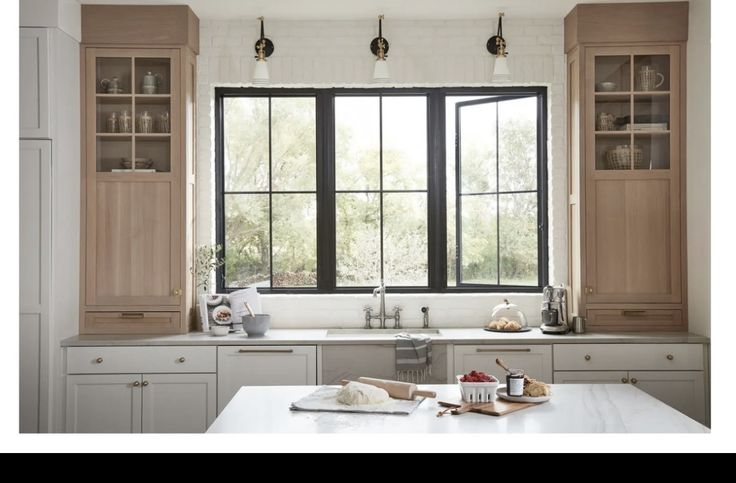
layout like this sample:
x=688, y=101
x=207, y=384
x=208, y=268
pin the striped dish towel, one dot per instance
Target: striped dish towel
x=413, y=358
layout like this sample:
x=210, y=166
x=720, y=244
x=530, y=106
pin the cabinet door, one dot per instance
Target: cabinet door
x=178, y=403
x=351, y=362
x=682, y=390
x=103, y=404
x=634, y=241
x=133, y=244
x=592, y=377
x=35, y=275
x=263, y=366
x=535, y=360
x=35, y=115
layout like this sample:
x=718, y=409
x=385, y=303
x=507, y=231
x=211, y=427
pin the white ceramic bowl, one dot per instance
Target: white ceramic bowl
x=219, y=330
x=606, y=86
x=474, y=392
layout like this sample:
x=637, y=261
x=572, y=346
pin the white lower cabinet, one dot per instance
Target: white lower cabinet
x=109, y=403
x=240, y=366
x=179, y=403
x=536, y=360
x=134, y=403
x=672, y=373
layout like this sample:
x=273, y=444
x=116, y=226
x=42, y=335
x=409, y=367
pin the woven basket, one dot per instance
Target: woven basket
x=620, y=157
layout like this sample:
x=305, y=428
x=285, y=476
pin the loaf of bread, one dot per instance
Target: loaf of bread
x=534, y=388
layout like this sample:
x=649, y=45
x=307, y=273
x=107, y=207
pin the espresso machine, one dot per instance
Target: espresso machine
x=554, y=310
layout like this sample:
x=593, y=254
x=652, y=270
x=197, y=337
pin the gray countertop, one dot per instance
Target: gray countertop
x=446, y=336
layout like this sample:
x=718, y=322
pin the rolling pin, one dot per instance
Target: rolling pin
x=396, y=389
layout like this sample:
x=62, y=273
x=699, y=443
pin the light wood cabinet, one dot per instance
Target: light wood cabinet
x=535, y=360
x=240, y=366
x=626, y=159
x=138, y=209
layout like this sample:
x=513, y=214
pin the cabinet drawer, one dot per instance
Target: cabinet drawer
x=132, y=323
x=135, y=360
x=536, y=360
x=634, y=319
x=623, y=357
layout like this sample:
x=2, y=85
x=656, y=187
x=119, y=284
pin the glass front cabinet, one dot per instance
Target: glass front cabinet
x=626, y=163
x=138, y=171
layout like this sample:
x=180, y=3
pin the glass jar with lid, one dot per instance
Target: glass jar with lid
x=508, y=317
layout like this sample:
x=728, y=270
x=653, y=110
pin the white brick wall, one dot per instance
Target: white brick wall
x=423, y=53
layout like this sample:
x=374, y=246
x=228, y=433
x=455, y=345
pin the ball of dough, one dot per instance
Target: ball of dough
x=357, y=393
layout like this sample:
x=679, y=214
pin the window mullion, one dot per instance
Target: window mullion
x=326, y=245
x=436, y=193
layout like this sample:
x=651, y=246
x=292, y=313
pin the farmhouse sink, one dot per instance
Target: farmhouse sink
x=378, y=332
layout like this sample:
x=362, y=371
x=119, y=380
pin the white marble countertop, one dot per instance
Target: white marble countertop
x=574, y=408
x=446, y=336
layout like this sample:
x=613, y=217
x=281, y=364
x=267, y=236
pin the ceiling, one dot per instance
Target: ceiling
x=360, y=9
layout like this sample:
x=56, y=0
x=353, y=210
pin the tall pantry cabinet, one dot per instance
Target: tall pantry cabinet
x=138, y=124
x=49, y=203
x=626, y=133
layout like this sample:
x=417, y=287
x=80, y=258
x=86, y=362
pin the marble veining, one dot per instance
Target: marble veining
x=574, y=408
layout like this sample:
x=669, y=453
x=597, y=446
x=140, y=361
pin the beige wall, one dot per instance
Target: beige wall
x=698, y=167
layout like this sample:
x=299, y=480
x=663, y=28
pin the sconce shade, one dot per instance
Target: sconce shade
x=260, y=73
x=380, y=70
x=501, y=70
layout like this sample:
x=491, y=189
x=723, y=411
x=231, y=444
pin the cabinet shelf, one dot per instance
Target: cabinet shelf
x=154, y=136
x=117, y=136
x=629, y=93
x=152, y=98
x=628, y=133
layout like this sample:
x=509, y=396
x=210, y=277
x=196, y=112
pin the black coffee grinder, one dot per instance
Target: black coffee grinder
x=554, y=310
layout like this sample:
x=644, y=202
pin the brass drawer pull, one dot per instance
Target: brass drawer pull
x=502, y=350
x=136, y=384
x=624, y=380
x=670, y=357
x=132, y=315
x=633, y=313
x=269, y=351
x=634, y=380
x=99, y=360
x=587, y=357
x=145, y=384
x=182, y=360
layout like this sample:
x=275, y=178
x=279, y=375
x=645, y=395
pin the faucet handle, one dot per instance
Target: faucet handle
x=397, y=308
x=367, y=308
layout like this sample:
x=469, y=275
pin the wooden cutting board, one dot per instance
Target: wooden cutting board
x=497, y=408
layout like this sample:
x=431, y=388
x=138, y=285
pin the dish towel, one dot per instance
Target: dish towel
x=413, y=358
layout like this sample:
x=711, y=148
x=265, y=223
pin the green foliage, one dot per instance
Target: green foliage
x=206, y=261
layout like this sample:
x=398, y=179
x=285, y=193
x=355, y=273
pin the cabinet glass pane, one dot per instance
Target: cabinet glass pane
x=113, y=152
x=613, y=151
x=153, y=116
x=651, y=73
x=114, y=115
x=152, y=154
x=613, y=73
x=655, y=150
x=114, y=75
x=152, y=76
x=294, y=223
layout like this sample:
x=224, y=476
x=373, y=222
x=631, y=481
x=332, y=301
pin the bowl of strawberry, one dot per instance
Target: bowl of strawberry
x=477, y=386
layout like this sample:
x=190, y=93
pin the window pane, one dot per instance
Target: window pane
x=246, y=240
x=294, y=240
x=357, y=143
x=246, y=144
x=479, y=243
x=404, y=143
x=293, y=144
x=477, y=137
x=405, y=239
x=518, y=232
x=517, y=163
x=358, y=239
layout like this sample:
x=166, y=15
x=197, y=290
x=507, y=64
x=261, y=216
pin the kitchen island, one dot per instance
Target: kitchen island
x=574, y=408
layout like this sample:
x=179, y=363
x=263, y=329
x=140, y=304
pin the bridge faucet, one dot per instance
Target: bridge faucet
x=382, y=316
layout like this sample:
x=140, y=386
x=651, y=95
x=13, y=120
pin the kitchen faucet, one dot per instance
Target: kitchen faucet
x=381, y=315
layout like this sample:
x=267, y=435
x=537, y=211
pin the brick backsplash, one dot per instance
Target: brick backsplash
x=423, y=53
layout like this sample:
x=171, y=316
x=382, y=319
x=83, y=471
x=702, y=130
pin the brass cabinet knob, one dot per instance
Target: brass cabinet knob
x=145, y=383
x=670, y=357
x=182, y=360
x=587, y=357
x=634, y=380
x=176, y=291
x=624, y=380
x=136, y=384
x=589, y=290
x=99, y=360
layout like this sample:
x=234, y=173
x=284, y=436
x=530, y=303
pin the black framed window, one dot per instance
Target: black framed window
x=332, y=190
